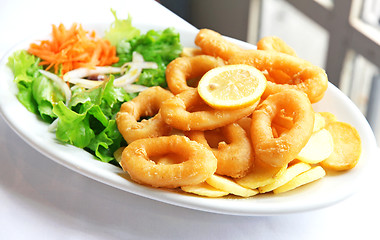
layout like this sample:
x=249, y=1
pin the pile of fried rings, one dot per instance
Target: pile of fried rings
x=175, y=139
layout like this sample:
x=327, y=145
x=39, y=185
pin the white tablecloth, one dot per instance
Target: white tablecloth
x=40, y=199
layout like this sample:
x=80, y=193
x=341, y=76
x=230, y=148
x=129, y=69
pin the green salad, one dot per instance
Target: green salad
x=87, y=118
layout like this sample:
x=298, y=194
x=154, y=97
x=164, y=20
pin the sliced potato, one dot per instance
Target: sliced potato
x=289, y=174
x=283, y=119
x=347, y=147
x=190, y=52
x=261, y=175
x=245, y=123
x=278, y=130
x=117, y=154
x=170, y=158
x=228, y=185
x=328, y=116
x=282, y=124
x=319, y=122
x=309, y=176
x=204, y=189
x=318, y=148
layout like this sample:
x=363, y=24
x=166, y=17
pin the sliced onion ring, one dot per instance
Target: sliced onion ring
x=80, y=73
x=138, y=62
x=130, y=77
x=60, y=82
x=133, y=88
x=130, y=73
x=84, y=83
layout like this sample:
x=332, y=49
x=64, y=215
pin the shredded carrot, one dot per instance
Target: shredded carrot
x=73, y=48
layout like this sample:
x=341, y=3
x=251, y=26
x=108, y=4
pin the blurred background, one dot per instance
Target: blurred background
x=341, y=36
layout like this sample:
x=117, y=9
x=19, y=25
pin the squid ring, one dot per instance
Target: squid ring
x=198, y=162
x=297, y=73
x=231, y=147
x=146, y=104
x=273, y=43
x=214, y=44
x=187, y=111
x=184, y=68
x=284, y=70
x=283, y=149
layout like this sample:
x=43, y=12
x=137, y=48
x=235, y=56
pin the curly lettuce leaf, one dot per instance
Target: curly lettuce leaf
x=154, y=45
x=46, y=94
x=37, y=93
x=121, y=29
x=107, y=142
x=89, y=120
x=161, y=47
x=24, y=67
x=73, y=128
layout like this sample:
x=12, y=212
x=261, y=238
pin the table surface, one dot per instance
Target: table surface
x=40, y=198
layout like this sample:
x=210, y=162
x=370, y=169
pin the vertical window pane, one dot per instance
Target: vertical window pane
x=362, y=85
x=307, y=38
x=371, y=12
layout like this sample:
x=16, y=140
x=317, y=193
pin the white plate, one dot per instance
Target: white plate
x=322, y=193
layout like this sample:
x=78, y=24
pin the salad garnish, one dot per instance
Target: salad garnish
x=77, y=81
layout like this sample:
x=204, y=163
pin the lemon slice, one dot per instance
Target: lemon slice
x=232, y=86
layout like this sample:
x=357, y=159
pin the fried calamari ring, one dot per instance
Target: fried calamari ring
x=180, y=70
x=198, y=163
x=146, y=104
x=231, y=147
x=283, y=69
x=214, y=44
x=273, y=43
x=298, y=73
x=187, y=111
x=283, y=149
x=276, y=44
